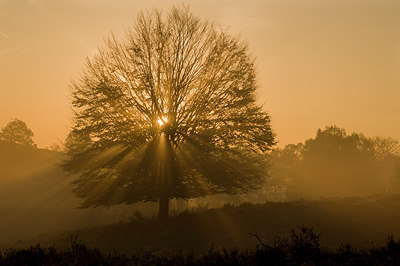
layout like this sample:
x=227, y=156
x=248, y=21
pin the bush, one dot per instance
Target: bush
x=303, y=248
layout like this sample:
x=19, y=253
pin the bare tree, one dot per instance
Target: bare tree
x=167, y=112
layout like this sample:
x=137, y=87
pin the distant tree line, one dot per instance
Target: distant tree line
x=337, y=164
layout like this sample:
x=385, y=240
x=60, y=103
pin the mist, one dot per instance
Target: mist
x=337, y=164
x=334, y=168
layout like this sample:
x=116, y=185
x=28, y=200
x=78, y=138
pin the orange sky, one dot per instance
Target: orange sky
x=318, y=62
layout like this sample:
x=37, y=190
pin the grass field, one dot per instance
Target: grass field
x=362, y=222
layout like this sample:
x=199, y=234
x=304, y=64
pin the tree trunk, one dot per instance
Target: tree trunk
x=164, y=173
x=163, y=208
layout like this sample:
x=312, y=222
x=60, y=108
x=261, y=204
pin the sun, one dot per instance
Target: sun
x=161, y=121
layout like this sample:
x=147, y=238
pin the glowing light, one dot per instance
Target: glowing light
x=161, y=121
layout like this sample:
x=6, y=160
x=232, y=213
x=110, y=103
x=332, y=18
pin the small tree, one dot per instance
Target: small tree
x=168, y=112
x=17, y=132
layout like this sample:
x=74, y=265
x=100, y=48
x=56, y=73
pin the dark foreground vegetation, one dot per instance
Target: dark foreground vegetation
x=302, y=247
x=362, y=222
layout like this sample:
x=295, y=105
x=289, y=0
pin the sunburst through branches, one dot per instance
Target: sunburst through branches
x=168, y=111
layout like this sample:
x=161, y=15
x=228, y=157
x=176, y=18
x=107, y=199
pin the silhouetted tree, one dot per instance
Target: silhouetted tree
x=167, y=112
x=17, y=132
x=385, y=148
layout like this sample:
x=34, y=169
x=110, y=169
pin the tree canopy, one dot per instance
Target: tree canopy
x=167, y=111
x=16, y=131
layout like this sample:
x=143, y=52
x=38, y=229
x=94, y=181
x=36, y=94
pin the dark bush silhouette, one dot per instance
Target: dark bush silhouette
x=302, y=249
x=304, y=244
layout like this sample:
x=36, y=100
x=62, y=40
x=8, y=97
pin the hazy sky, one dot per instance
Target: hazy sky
x=318, y=62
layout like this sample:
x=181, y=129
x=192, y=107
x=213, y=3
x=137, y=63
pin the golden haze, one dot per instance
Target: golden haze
x=318, y=62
